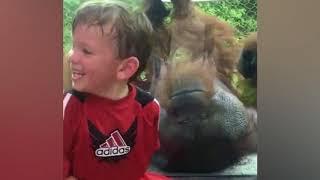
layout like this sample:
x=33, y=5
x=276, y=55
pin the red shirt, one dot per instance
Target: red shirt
x=106, y=139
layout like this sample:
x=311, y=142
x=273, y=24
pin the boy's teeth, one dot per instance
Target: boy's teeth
x=77, y=75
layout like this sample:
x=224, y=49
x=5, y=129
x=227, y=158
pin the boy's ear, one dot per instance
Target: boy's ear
x=127, y=68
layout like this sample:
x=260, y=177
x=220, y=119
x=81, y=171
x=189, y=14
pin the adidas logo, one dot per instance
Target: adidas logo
x=113, y=146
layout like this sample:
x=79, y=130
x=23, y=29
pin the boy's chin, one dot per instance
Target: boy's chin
x=84, y=88
x=79, y=87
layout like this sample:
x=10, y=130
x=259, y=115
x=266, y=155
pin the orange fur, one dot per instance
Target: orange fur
x=187, y=31
x=250, y=42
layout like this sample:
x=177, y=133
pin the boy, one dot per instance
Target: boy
x=110, y=126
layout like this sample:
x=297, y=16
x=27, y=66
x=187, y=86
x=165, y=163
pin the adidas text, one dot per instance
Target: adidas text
x=112, y=151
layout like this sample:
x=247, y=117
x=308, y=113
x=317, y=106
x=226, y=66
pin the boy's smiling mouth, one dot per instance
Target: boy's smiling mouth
x=77, y=75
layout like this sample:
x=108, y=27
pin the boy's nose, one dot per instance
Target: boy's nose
x=74, y=57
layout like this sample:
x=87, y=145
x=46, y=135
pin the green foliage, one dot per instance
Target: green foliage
x=248, y=93
x=135, y=4
x=69, y=8
x=241, y=14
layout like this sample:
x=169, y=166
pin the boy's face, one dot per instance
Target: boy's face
x=93, y=61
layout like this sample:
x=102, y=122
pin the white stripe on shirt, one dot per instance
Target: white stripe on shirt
x=65, y=102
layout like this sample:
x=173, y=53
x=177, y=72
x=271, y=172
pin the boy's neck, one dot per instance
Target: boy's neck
x=115, y=92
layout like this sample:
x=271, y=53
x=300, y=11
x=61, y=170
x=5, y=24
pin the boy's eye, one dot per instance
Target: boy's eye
x=85, y=51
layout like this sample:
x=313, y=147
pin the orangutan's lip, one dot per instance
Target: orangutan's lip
x=186, y=91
